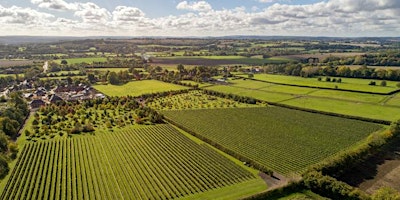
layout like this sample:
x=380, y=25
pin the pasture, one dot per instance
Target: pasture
x=137, y=88
x=116, y=69
x=347, y=83
x=219, y=60
x=373, y=111
x=156, y=162
x=284, y=140
x=373, y=106
x=88, y=60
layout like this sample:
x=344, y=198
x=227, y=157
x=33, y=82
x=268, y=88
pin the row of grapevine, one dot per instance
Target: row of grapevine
x=280, y=139
x=155, y=162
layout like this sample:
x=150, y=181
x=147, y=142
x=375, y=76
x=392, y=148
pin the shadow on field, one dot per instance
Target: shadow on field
x=367, y=174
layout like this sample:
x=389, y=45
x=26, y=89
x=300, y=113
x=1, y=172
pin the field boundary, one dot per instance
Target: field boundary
x=378, y=121
x=325, y=88
x=234, y=154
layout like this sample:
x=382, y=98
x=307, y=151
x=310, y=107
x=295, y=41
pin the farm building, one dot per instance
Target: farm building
x=36, y=103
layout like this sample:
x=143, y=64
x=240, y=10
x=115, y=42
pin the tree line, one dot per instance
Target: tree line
x=11, y=120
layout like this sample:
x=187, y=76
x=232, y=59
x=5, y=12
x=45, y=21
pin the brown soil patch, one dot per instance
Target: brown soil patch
x=275, y=181
x=380, y=170
x=388, y=174
x=10, y=63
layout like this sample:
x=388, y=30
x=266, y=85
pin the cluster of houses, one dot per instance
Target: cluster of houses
x=41, y=96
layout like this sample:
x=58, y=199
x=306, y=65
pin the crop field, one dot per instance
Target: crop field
x=195, y=99
x=137, y=88
x=107, y=69
x=156, y=162
x=88, y=60
x=284, y=140
x=347, y=83
x=219, y=60
x=10, y=63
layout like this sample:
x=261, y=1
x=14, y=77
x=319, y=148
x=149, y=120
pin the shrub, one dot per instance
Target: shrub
x=383, y=83
x=4, y=168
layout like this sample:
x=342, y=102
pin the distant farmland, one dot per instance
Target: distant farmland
x=280, y=139
x=220, y=60
x=137, y=88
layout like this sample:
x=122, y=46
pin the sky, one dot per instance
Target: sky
x=337, y=18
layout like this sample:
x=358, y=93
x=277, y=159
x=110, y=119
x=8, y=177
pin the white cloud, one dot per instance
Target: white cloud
x=123, y=13
x=326, y=18
x=199, y=6
x=59, y=5
x=24, y=16
x=92, y=13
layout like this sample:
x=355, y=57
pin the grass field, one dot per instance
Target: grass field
x=283, y=140
x=347, y=83
x=219, y=60
x=88, y=60
x=348, y=103
x=137, y=88
x=258, y=94
x=156, y=162
x=108, y=69
x=374, y=111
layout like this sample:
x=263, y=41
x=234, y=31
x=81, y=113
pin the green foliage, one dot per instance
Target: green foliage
x=194, y=99
x=386, y=193
x=137, y=88
x=4, y=168
x=75, y=117
x=112, y=78
x=275, y=138
x=330, y=187
x=154, y=162
x=3, y=143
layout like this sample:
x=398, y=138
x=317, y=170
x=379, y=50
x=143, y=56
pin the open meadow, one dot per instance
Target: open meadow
x=374, y=106
x=219, y=60
x=346, y=83
x=88, y=60
x=137, y=88
x=284, y=140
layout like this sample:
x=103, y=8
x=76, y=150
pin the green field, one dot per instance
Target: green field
x=108, y=69
x=64, y=73
x=258, y=94
x=284, y=140
x=88, y=60
x=196, y=83
x=195, y=99
x=373, y=111
x=347, y=83
x=349, y=103
x=137, y=88
x=156, y=162
x=220, y=60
